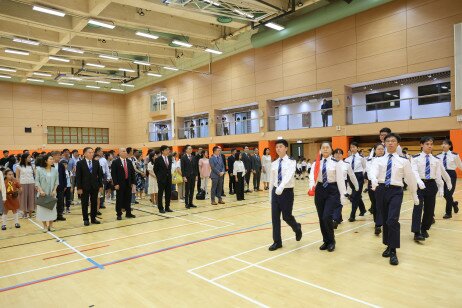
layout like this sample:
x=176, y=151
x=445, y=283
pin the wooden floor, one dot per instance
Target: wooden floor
x=217, y=256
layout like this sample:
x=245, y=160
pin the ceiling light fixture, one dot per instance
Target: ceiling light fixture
x=109, y=57
x=5, y=76
x=245, y=14
x=117, y=90
x=170, y=68
x=41, y=74
x=101, y=24
x=212, y=2
x=126, y=70
x=142, y=62
x=154, y=74
x=48, y=11
x=58, y=59
x=35, y=80
x=274, y=26
x=95, y=65
x=217, y=52
x=26, y=41
x=127, y=85
x=102, y=81
x=74, y=50
x=148, y=35
x=17, y=52
x=93, y=87
x=74, y=78
x=181, y=43
x=6, y=69
x=66, y=83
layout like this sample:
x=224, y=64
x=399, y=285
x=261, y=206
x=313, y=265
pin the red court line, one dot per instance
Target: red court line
x=71, y=253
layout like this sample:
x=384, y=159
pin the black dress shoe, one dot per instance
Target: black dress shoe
x=275, y=246
x=418, y=237
x=447, y=216
x=187, y=206
x=456, y=207
x=378, y=230
x=351, y=219
x=102, y=207
x=130, y=216
x=119, y=217
x=425, y=233
x=231, y=193
x=323, y=246
x=136, y=202
x=386, y=253
x=362, y=213
x=331, y=247
x=298, y=233
x=168, y=210
x=61, y=218
x=223, y=195
x=99, y=213
x=86, y=223
x=96, y=222
x=162, y=211
x=335, y=224
x=393, y=258
x=192, y=205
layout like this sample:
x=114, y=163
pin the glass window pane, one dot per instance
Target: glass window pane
x=74, y=139
x=66, y=130
x=92, y=139
x=51, y=130
x=58, y=130
x=105, y=139
x=91, y=131
x=99, y=139
x=59, y=139
x=105, y=131
x=66, y=139
x=84, y=139
x=51, y=139
x=74, y=130
x=98, y=132
x=84, y=131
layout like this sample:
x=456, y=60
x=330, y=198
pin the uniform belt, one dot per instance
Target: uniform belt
x=389, y=186
x=428, y=180
x=287, y=188
x=330, y=183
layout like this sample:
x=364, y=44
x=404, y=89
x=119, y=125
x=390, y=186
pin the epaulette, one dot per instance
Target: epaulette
x=369, y=159
x=416, y=155
x=345, y=162
x=334, y=159
x=291, y=158
x=361, y=155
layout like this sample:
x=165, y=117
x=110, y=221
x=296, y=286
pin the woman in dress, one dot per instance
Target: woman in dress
x=152, y=188
x=13, y=188
x=46, y=182
x=204, y=171
x=176, y=167
x=140, y=173
x=266, y=168
x=239, y=172
x=26, y=176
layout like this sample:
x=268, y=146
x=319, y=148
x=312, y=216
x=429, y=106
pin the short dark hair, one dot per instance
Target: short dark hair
x=385, y=130
x=129, y=150
x=98, y=149
x=283, y=142
x=338, y=151
x=393, y=135
x=264, y=151
x=425, y=139
x=186, y=146
x=23, y=162
x=379, y=144
x=24, y=151
x=215, y=148
x=5, y=151
x=162, y=148
x=74, y=151
x=354, y=143
x=448, y=142
x=86, y=149
x=43, y=161
x=53, y=153
x=233, y=149
x=63, y=151
x=328, y=142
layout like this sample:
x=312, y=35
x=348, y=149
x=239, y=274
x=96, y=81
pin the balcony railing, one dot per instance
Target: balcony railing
x=407, y=109
x=195, y=132
x=309, y=119
x=160, y=135
x=248, y=126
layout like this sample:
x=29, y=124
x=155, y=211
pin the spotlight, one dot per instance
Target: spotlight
x=140, y=11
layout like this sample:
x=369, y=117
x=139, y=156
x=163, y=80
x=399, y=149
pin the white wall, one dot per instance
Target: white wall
x=360, y=115
x=290, y=116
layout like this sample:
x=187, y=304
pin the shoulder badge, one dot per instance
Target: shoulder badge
x=416, y=155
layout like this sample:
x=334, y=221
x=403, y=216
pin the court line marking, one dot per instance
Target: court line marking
x=70, y=253
x=309, y=283
x=60, y=240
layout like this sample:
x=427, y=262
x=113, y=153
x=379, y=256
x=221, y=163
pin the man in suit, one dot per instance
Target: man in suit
x=232, y=179
x=62, y=186
x=123, y=179
x=248, y=167
x=256, y=169
x=218, y=170
x=163, y=171
x=188, y=170
x=224, y=164
x=89, y=181
x=196, y=159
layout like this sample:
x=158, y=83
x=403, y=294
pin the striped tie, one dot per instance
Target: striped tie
x=445, y=161
x=280, y=172
x=353, y=163
x=324, y=174
x=427, y=167
x=388, y=174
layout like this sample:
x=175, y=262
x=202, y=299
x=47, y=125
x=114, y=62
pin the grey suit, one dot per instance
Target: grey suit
x=217, y=166
x=256, y=166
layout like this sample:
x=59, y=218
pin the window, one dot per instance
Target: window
x=372, y=99
x=159, y=101
x=444, y=89
x=77, y=135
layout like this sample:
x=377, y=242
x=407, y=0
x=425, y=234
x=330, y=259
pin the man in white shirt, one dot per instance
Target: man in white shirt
x=386, y=176
x=106, y=174
x=281, y=193
x=71, y=167
x=358, y=164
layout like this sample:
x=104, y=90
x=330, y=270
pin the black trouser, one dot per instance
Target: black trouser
x=375, y=211
x=189, y=190
x=356, y=196
x=199, y=183
x=223, y=185
x=325, y=118
x=282, y=204
x=326, y=200
x=388, y=201
x=124, y=198
x=427, y=199
x=60, y=201
x=247, y=178
x=164, y=188
x=92, y=195
x=256, y=179
x=239, y=186
x=337, y=215
x=448, y=194
x=232, y=183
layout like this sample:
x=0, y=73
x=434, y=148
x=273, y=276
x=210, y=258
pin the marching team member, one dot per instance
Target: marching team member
x=358, y=164
x=451, y=161
x=379, y=151
x=386, y=176
x=330, y=191
x=429, y=172
x=348, y=175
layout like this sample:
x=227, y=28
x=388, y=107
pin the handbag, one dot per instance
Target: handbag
x=46, y=201
x=176, y=178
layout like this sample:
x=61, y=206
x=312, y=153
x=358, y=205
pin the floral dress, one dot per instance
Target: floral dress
x=140, y=180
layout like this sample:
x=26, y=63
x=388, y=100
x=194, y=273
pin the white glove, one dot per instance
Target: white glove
x=421, y=185
x=441, y=193
x=374, y=185
x=279, y=191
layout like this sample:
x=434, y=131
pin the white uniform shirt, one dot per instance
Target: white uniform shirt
x=452, y=160
x=360, y=162
x=401, y=169
x=287, y=171
x=437, y=171
x=334, y=174
x=104, y=165
x=348, y=172
x=399, y=151
x=238, y=167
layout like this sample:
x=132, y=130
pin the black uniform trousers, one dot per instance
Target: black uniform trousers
x=232, y=183
x=282, y=204
x=388, y=201
x=356, y=196
x=124, y=198
x=256, y=179
x=91, y=195
x=326, y=200
x=189, y=190
x=427, y=199
x=337, y=216
x=199, y=183
x=448, y=194
x=239, y=187
x=376, y=214
x=60, y=201
x=164, y=188
x=247, y=178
